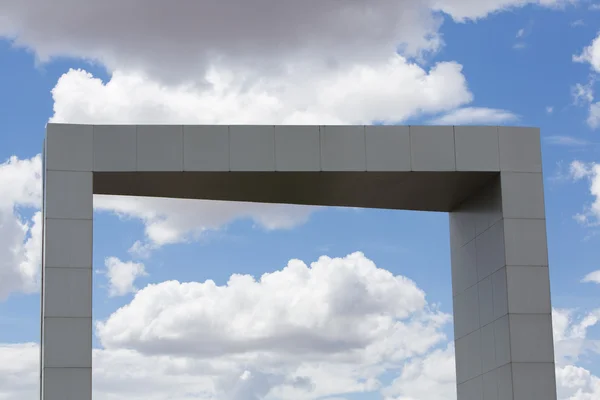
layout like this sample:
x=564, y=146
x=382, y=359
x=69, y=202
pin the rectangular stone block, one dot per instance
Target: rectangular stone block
x=520, y=149
x=159, y=148
x=69, y=147
x=69, y=195
x=68, y=243
x=432, y=148
x=525, y=242
x=343, y=148
x=464, y=267
x=531, y=338
x=468, y=357
x=68, y=292
x=490, y=248
x=297, y=148
x=205, y=148
x=528, y=290
x=502, y=340
x=534, y=381
x=462, y=226
x=466, y=312
x=486, y=301
x=252, y=148
x=522, y=195
x=67, y=384
x=477, y=148
x=115, y=148
x=68, y=342
x=470, y=390
x=388, y=148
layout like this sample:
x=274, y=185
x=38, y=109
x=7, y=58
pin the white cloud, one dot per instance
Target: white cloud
x=566, y=141
x=170, y=221
x=184, y=42
x=303, y=332
x=474, y=116
x=271, y=38
x=549, y=109
x=592, y=277
x=20, y=239
x=590, y=54
x=393, y=90
x=271, y=341
x=463, y=10
x=583, y=94
x=579, y=170
x=429, y=377
x=332, y=306
x=122, y=275
x=593, y=119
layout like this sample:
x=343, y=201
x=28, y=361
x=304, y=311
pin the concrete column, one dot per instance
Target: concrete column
x=66, y=343
x=501, y=292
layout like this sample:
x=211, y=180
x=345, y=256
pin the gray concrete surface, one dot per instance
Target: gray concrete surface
x=489, y=180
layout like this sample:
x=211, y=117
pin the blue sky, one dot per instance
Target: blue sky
x=489, y=64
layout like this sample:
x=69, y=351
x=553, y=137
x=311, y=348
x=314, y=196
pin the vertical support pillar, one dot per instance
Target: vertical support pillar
x=500, y=282
x=66, y=343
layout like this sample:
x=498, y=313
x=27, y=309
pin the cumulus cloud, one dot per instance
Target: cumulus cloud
x=590, y=54
x=393, y=90
x=579, y=170
x=331, y=307
x=302, y=332
x=122, y=275
x=592, y=277
x=181, y=43
x=20, y=237
x=474, y=116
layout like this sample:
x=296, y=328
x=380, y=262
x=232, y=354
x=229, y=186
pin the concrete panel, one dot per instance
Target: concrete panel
x=205, y=148
x=534, y=381
x=252, y=148
x=68, y=292
x=490, y=250
x=520, y=149
x=388, y=148
x=500, y=293
x=531, y=338
x=466, y=312
x=69, y=147
x=488, y=349
x=502, y=340
x=462, y=227
x=160, y=148
x=297, y=148
x=464, y=267
x=528, y=290
x=432, y=148
x=67, y=384
x=115, y=148
x=525, y=241
x=69, y=195
x=477, y=148
x=68, y=243
x=523, y=195
x=468, y=357
x=490, y=385
x=67, y=342
x=505, y=384
x=497, y=231
x=486, y=301
x=343, y=148
x=471, y=390
x=488, y=206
